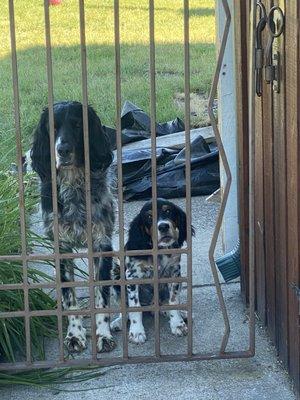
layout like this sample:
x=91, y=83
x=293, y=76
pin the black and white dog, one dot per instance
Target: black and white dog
x=171, y=233
x=69, y=158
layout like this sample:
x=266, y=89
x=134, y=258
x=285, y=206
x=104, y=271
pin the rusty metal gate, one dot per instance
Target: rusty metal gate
x=91, y=283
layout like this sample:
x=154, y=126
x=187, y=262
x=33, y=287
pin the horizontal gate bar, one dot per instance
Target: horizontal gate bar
x=121, y=282
x=132, y=360
x=88, y=312
x=62, y=256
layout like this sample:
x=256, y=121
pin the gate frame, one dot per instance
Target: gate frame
x=91, y=283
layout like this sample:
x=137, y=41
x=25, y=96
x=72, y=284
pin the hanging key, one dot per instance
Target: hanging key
x=272, y=61
x=259, y=51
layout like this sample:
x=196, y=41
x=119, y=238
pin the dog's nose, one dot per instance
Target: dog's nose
x=163, y=227
x=64, y=149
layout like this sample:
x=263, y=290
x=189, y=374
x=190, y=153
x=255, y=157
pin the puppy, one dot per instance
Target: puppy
x=171, y=233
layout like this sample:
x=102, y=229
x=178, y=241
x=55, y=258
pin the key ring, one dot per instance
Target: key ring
x=273, y=31
x=262, y=9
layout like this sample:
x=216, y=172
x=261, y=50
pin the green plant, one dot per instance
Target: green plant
x=12, y=330
x=52, y=378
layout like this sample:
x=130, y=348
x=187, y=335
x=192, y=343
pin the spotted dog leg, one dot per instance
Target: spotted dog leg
x=105, y=341
x=177, y=324
x=136, y=330
x=75, y=340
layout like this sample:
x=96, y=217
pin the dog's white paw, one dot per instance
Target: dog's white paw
x=179, y=329
x=137, y=334
x=76, y=341
x=105, y=343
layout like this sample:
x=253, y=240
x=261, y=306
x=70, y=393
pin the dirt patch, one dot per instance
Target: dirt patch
x=198, y=105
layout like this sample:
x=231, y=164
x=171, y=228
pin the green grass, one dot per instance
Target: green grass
x=100, y=51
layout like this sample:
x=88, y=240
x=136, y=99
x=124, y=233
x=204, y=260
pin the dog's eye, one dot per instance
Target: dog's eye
x=149, y=217
x=168, y=211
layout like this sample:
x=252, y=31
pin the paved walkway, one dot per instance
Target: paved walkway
x=261, y=377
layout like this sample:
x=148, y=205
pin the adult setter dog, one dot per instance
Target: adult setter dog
x=70, y=175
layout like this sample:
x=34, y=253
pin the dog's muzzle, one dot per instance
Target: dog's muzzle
x=64, y=154
x=165, y=233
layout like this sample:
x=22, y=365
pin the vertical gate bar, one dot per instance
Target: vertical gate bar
x=53, y=179
x=153, y=172
x=20, y=175
x=223, y=157
x=252, y=177
x=188, y=193
x=87, y=174
x=120, y=174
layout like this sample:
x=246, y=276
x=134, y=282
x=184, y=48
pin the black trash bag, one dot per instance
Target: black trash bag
x=205, y=177
x=136, y=125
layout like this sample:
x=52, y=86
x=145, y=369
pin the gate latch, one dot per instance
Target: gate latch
x=272, y=72
x=268, y=58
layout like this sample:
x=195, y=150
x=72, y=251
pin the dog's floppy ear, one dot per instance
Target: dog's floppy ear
x=101, y=155
x=138, y=239
x=181, y=221
x=40, y=151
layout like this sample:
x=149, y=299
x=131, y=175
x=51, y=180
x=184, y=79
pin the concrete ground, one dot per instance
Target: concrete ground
x=261, y=377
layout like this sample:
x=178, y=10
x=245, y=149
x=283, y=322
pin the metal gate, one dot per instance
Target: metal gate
x=25, y=257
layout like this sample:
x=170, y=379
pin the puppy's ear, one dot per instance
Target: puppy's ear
x=182, y=226
x=101, y=155
x=40, y=151
x=138, y=239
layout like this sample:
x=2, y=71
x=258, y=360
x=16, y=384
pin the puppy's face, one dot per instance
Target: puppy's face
x=169, y=222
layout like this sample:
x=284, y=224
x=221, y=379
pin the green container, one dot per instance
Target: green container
x=230, y=264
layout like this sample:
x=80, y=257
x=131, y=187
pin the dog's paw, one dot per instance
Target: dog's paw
x=105, y=344
x=75, y=343
x=116, y=324
x=180, y=329
x=137, y=336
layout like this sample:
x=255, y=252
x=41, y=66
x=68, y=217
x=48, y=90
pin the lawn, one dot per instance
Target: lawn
x=100, y=52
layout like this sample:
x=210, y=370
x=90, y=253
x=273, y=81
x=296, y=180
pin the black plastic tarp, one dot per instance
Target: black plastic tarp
x=170, y=171
x=135, y=125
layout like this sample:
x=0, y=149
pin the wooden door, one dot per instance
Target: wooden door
x=277, y=184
